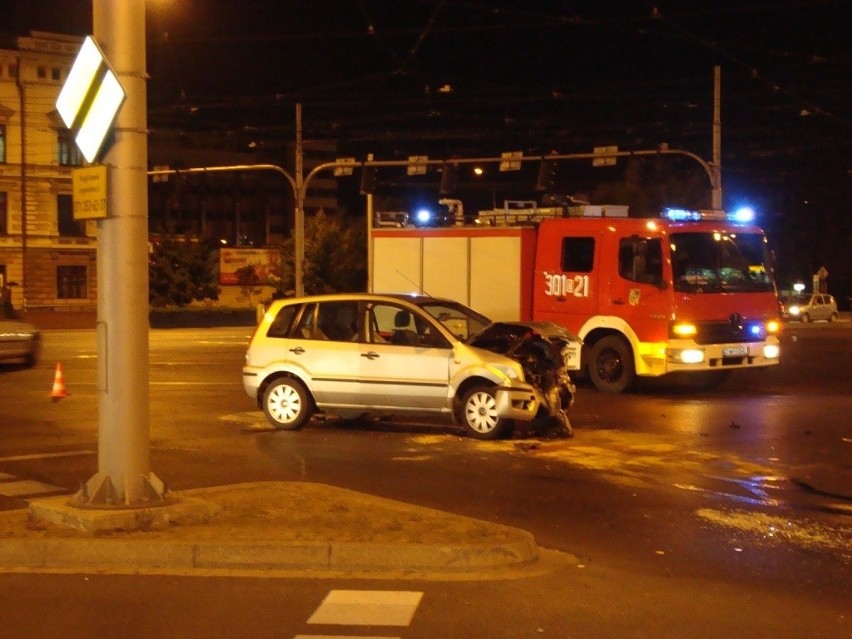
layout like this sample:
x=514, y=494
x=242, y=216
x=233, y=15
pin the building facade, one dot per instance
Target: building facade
x=46, y=256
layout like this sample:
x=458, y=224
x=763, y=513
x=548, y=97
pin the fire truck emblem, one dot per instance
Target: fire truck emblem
x=634, y=297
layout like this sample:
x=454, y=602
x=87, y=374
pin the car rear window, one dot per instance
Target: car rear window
x=280, y=326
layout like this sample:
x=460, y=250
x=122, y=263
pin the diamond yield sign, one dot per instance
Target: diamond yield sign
x=90, y=99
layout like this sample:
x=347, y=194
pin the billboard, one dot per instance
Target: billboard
x=265, y=264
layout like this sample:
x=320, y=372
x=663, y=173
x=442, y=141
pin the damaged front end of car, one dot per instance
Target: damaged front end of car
x=546, y=352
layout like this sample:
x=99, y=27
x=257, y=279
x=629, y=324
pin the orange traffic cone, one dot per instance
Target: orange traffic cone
x=58, y=385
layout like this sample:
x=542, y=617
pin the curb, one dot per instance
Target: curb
x=100, y=554
x=260, y=527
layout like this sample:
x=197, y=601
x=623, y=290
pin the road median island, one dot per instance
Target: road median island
x=260, y=526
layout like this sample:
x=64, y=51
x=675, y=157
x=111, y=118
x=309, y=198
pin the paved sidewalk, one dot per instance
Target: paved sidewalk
x=268, y=526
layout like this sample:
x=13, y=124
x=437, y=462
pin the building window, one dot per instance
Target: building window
x=68, y=226
x=54, y=73
x=13, y=70
x=67, y=153
x=42, y=73
x=71, y=282
x=4, y=213
x=2, y=144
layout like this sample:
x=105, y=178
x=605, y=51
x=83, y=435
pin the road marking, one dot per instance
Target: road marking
x=367, y=608
x=26, y=487
x=69, y=453
x=341, y=637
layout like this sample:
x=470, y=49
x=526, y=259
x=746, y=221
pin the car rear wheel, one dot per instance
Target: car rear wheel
x=611, y=365
x=287, y=404
x=478, y=414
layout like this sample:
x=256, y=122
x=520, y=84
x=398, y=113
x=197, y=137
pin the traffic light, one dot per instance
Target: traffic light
x=368, y=180
x=449, y=178
x=546, y=175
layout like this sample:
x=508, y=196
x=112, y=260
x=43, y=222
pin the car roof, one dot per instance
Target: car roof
x=412, y=298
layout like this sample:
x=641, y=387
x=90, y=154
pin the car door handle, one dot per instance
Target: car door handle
x=298, y=350
x=370, y=355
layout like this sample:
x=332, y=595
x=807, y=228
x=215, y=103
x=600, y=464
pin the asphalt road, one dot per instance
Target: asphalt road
x=686, y=513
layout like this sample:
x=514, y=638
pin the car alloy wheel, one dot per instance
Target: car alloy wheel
x=287, y=404
x=479, y=414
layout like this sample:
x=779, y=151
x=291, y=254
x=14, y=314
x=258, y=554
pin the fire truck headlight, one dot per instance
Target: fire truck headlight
x=684, y=330
x=692, y=356
x=771, y=351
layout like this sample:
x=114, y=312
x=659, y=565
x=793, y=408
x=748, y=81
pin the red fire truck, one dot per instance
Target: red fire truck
x=690, y=291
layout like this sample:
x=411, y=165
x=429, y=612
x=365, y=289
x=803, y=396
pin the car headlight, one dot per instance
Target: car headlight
x=794, y=310
x=509, y=371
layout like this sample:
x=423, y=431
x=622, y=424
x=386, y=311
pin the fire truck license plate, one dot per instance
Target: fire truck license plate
x=734, y=351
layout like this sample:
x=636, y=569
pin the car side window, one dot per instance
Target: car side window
x=306, y=328
x=398, y=325
x=338, y=320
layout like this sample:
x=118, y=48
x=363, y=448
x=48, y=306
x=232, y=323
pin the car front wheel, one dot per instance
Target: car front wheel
x=287, y=404
x=478, y=414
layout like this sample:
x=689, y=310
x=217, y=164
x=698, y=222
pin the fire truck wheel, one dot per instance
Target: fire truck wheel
x=287, y=404
x=611, y=365
x=478, y=414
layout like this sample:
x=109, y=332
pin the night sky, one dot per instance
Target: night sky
x=472, y=78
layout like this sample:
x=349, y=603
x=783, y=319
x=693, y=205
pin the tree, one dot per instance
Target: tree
x=335, y=257
x=182, y=269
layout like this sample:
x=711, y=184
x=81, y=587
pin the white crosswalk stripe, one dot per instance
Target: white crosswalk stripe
x=365, y=608
x=28, y=488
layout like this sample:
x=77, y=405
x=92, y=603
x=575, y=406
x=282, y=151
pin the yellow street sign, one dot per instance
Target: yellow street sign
x=89, y=192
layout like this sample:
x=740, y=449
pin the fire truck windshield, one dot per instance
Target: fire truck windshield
x=720, y=262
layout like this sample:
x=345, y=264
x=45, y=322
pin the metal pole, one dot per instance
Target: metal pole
x=370, y=215
x=124, y=477
x=299, y=213
x=716, y=178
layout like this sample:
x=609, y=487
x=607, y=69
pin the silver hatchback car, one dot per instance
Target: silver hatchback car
x=19, y=341
x=810, y=307
x=362, y=354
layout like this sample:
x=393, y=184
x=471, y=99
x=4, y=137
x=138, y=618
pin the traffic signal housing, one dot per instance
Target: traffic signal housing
x=546, y=175
x=449, y=178
x=368, y=180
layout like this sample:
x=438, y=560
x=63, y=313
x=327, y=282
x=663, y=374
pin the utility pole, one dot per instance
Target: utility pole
x=299, y=213
x=124, y=478
x=716, y=178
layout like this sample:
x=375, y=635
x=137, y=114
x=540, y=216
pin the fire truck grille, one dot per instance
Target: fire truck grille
x=727, y=332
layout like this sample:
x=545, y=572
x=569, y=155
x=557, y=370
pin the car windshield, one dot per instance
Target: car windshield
x=798, y=300
x=460, y=320
x=720, y=262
